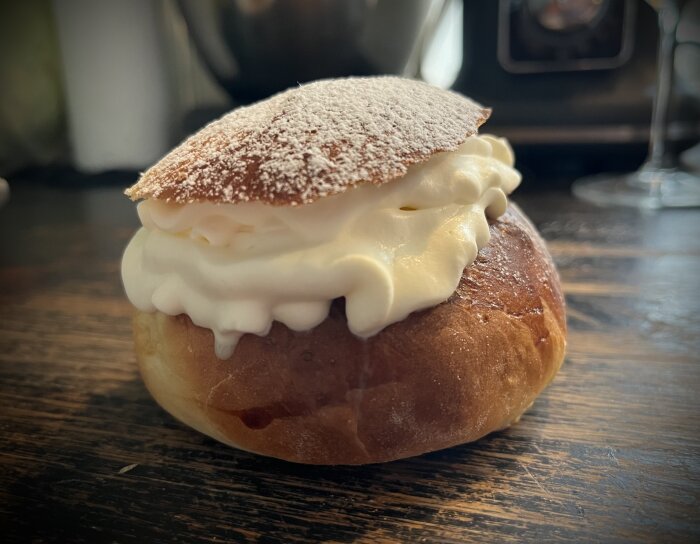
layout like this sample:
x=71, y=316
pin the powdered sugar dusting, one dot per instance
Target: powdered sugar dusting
x=312, y=141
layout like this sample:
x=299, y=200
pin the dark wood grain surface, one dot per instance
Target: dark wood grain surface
x=610, y=452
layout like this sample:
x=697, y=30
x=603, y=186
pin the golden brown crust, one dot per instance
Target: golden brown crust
x=441, y=377
x=313, y=141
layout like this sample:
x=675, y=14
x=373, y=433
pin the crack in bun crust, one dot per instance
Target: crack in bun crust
x=312, y=141
x=441, y=377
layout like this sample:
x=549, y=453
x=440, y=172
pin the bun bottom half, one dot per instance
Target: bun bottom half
x=441, y=377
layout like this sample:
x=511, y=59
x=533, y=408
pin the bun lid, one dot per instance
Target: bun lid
x=312, y=141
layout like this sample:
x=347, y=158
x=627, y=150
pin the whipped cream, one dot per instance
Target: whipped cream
x=389, y=250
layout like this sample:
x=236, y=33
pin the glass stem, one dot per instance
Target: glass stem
x=668, y=22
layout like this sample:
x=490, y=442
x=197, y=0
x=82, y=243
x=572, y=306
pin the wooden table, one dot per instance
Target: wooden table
x=610, y=452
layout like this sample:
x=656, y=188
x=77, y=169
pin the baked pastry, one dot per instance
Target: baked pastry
x=334, y=276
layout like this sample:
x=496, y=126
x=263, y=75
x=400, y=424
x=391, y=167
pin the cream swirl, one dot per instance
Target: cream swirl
x=389, y=250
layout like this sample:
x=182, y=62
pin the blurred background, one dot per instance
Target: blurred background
x=99, y=90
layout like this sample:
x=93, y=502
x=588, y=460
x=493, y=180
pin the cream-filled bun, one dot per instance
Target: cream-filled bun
x=334, y=276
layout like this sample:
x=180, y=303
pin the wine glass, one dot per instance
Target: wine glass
x=659, y=183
